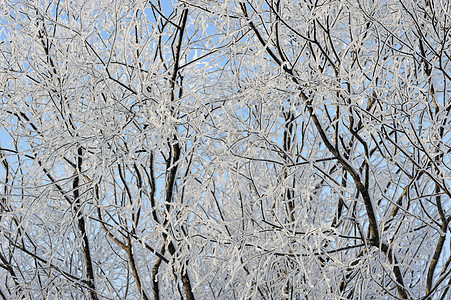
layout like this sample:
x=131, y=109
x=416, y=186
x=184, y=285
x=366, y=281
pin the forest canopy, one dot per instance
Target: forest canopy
x=255, y=149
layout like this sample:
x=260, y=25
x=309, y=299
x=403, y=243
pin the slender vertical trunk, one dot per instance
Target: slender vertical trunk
x=135, y=269
x=82, y=227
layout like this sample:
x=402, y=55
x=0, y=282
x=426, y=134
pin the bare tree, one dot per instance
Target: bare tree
x=262, y=149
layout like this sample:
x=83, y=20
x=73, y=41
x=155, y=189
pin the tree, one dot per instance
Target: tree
x=225, y=149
